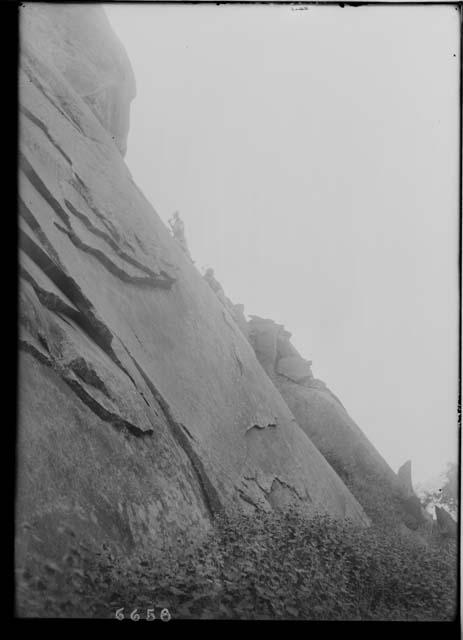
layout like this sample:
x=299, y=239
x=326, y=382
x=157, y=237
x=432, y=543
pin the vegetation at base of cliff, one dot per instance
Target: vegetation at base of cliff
x=380, y=502
x=264, y=566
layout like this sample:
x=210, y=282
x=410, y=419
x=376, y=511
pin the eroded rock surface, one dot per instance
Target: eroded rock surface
x=143, y=409
x=386, y=496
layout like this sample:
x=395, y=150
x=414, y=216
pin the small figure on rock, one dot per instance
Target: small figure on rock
x=213, y=283
x=178, y=231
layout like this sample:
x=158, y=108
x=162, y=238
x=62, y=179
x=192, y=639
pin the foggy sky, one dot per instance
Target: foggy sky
x=313, y=156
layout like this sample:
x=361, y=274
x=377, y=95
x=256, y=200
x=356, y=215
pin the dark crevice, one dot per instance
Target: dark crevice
x=209, y=492
x=48, y=299
x=87, y=374
x=81, y=188
x=187, y=431
x=244, y=496
x=122, y=254
x=142, y=281
x=84, y=317
x=82, y=314
x=162, y=280
x=261, y=426
x=26, y=213
x=240, y=364
x=38, y=85
x=275, y=481
x=285, y=485
x=36, y=353
x=44, y=130
x=41, y=187
x=107, y=416
x=43, y=342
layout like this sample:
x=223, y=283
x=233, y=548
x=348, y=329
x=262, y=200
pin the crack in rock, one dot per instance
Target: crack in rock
x=104, y=414
x=256, y=481
x=32, y=77
x=277, y=481
x=262, y=426
x=162, y=280
x=81, y=188
x=238, y=360
x=85, y=318
x=147, y=281
x=38, y=123
x=87, y=374
x=187, y=431
x=42, y=188
x=210, y=494
x=82, y=314
x=26, y=213
x=244, y=496
x=282, y=483
x=114, y=246
x=49, y=299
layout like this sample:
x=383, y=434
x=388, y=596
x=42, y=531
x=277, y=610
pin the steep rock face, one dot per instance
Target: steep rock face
x=142, y=409
x=92, y=61
x=325, y=420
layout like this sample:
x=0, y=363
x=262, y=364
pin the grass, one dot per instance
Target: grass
x=264, y=566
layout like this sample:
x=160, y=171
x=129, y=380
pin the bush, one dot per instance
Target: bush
x=264, y=566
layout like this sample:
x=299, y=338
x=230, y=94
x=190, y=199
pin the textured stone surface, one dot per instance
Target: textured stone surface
x=445, y=523
x=324, y=419
x=92, y=61
x=405, y=477
x=143, y=409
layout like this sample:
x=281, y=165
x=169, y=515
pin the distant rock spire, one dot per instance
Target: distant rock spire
x=405, y=477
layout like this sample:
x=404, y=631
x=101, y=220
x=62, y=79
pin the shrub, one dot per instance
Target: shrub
x=266, y=566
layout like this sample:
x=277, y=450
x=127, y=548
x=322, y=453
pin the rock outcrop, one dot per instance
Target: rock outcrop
x=446, y=525
x=411, y=502
x=321, y=415
x=405, y=477
x=142, y=407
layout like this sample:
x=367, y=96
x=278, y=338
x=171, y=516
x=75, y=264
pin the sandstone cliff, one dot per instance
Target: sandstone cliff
x=143, y=409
